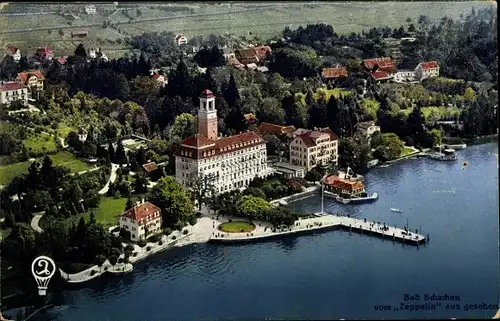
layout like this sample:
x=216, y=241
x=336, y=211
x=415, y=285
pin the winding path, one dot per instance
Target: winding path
x=35, y=221
x=112, y=178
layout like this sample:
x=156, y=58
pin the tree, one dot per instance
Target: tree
x=435, y=137
x=173, y=201
x=141, y=156
x=392, y=147
x=356, y=153
x=129, y=204
x=80, y=51
x=252, y=206
x=209, y=57
x=184, y=126
x=120, y=155
x=202, y=187
x=313, y=175
x=111, y=152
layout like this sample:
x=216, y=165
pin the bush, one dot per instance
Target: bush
x=134, y=254
x=198, y=214
x=148, y=248
x=142, y=243
x=160, y=242
x=185, y=232
x=230, y=220
x=167, y=231
x=129, y=248
x=192, y=220
x=93, y=272
x=173, y=237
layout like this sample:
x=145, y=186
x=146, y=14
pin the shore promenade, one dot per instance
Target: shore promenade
x=322, y=221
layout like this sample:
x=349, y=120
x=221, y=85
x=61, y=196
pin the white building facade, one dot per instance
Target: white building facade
x=13, y=91
x=90, y=9
x=142, y=221
x=427, y=70
x=311, y=148
x=232, y=162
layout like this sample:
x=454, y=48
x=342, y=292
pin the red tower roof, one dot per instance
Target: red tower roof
x=207, y=94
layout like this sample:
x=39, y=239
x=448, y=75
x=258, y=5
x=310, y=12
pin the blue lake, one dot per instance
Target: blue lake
x=329, y=275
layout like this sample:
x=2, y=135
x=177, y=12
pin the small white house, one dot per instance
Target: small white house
x=404, y=75
x=181, y=40
x=368, y=128
x=90, y=9
x=162, y=80
x=427, y=70
x=14, y=52
x=142, y=221
x=13, y=91
x=82, y=135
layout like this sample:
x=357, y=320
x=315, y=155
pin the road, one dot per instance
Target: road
x=112, y=178
x=35, y=220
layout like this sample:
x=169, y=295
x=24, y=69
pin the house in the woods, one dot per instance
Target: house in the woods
x=162, y=80
x=334, y=73
x=278, y=130
x=235, y=63
x=252, y=55
x=97, y=54
x=79, y=34
x=44, y=53
x=62, y=60
x=427, y=70
x=181, y=40
x=368, y=128
x=227, y=52
x=141, y=221
x=34, y=80
x=13, y=91
x=250, y=118
x=82, y=134
x=90, y=9
x=312, y=148
x=152, y=170
x=381, y=69
x=14, y=52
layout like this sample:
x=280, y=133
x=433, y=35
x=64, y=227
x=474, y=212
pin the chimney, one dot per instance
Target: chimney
x=143, y=200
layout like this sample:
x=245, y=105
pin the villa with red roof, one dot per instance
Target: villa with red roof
x=141, y=221
x=334, y=73
x=33, y=79
x=13, y=91
x=427, y=69
x=380, y=68
x=44, y=53
x=311, y=148
x=14, y=52
x=181, y=40
x=162, y=80
x=232, y=161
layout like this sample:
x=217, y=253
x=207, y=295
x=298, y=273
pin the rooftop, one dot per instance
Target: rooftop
x=140, y=211
x=25, y=76
x=149, y=167
x=336, y=72
x=275, y=129
x=309, y=137
x=346, y=184
x=11, y=86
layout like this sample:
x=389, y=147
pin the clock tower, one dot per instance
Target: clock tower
x=207, y=115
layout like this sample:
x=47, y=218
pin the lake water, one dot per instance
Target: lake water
x=330, y=275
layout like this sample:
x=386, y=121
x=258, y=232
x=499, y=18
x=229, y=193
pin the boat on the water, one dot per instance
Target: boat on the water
x=396, y=210
x=446, y=155
x=456, y=146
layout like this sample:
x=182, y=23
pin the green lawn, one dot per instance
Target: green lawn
x=68, y=160
x=440, y=111
x=64, y=130
x=40, y=143
x=8, y=172
x=237, y=227
x=407, y=151
x=64, y=159
x=107, y=214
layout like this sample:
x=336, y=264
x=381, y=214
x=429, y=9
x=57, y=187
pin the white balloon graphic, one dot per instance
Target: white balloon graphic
x=43, y=268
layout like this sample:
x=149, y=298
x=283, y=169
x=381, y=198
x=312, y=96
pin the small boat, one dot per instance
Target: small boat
x=446, y=155
x=384, y=166
x=396, y=210
x=456, y=146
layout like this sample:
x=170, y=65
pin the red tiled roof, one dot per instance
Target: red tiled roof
x=383, y=62
x=44, y=51
x=429, y=65
x=262, y=51
x=207, y=94
x=12, y=49
x=199, y=147
x=336, y=72
x=380, y=75
x=140, y=213
x=62, y=60
x=337, y=182
x=149, y=167
x=309, y=137
x=25, y=76
x=275, y=129
x=11, y=86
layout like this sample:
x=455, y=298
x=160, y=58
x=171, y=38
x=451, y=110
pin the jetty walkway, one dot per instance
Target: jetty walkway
x=323, y=221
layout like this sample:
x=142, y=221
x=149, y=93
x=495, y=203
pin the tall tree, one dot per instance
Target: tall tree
x=80, y=51
x=231, y=94
x=173, y=201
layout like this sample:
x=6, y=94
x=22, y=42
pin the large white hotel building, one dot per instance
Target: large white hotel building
x=232, y=161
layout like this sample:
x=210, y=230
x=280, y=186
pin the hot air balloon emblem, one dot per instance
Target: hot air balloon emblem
x=43, y=268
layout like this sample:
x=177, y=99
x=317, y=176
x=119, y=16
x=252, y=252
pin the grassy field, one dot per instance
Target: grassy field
x=237, y=227
x=441, y=111
x=108, y=213
x=41, y=143
x=63, y=130
x=64, y=158
x=407, y=151
x=264, y=22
